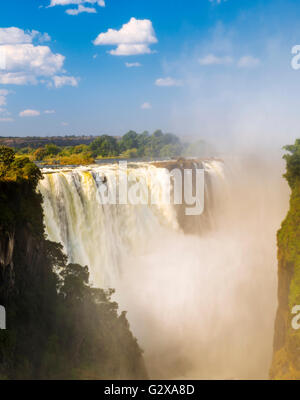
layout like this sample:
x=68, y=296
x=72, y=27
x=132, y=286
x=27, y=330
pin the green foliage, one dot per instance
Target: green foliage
x=52, y=149
x=171, y=150
x=129, y=141
x=105, y=146
x=40, y=154
x=81, y=148
x=7, y=157
x=130, y=153
x=286, y=361
x=131, y=145
x=12, y=168
x=292, y=162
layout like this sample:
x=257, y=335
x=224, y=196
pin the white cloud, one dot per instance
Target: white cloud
x=130, y=50
x=133, y=38
x=248, y=62
x=64, y=80
x=167, y=82
x=211, y=59
x=135, y=31
x=53, y=3
x=3, y=94
x=8, y=119
x=49, y=112
x=44, y=37
x=81, y=9
x=65, y=124
x=25, y=62
x=243, y=62
x=29, y=113
x=15, y=35
x=146, y=106
x=37, y=59
x=132, y=65
x=17, y=78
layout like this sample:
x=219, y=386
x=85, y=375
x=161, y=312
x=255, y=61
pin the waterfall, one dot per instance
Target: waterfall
x=201, y=306
x=99, y=235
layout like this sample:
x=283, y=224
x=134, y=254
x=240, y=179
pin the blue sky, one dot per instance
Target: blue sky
x=215, y=69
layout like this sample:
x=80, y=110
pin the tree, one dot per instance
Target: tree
x=131, y=153
x=104, y=146
x=170, y=138
x=129, y=141
x=52, y=149
x=32, y=172
x=292, y=162
x=171, y=150
x=75, y=280
x=40, y=154
x=7, y=157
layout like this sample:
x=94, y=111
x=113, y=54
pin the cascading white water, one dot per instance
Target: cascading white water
x=201, y=307
x=98, y=235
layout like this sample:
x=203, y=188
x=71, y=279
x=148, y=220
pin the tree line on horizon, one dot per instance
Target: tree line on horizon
x=130, y=146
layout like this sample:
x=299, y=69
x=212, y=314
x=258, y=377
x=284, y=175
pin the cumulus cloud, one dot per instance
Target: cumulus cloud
x=168, y=82
x=211, y=59
x=133, y=38
x=82, y=5
x=24, y=61
x=248, y=62
x=38, y=59
x=81, y=9
x=29, y=113
x=15, y=35
x=146, y=106
x=130, y=50
x=133, y=65
x=49, y=112
x=64, y=80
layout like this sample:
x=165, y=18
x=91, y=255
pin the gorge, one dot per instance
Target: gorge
x=200, y=300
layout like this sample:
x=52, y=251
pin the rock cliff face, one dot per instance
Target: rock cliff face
x=21, y=234
x=7, y=242
x=50, y=333
x=286, y=359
